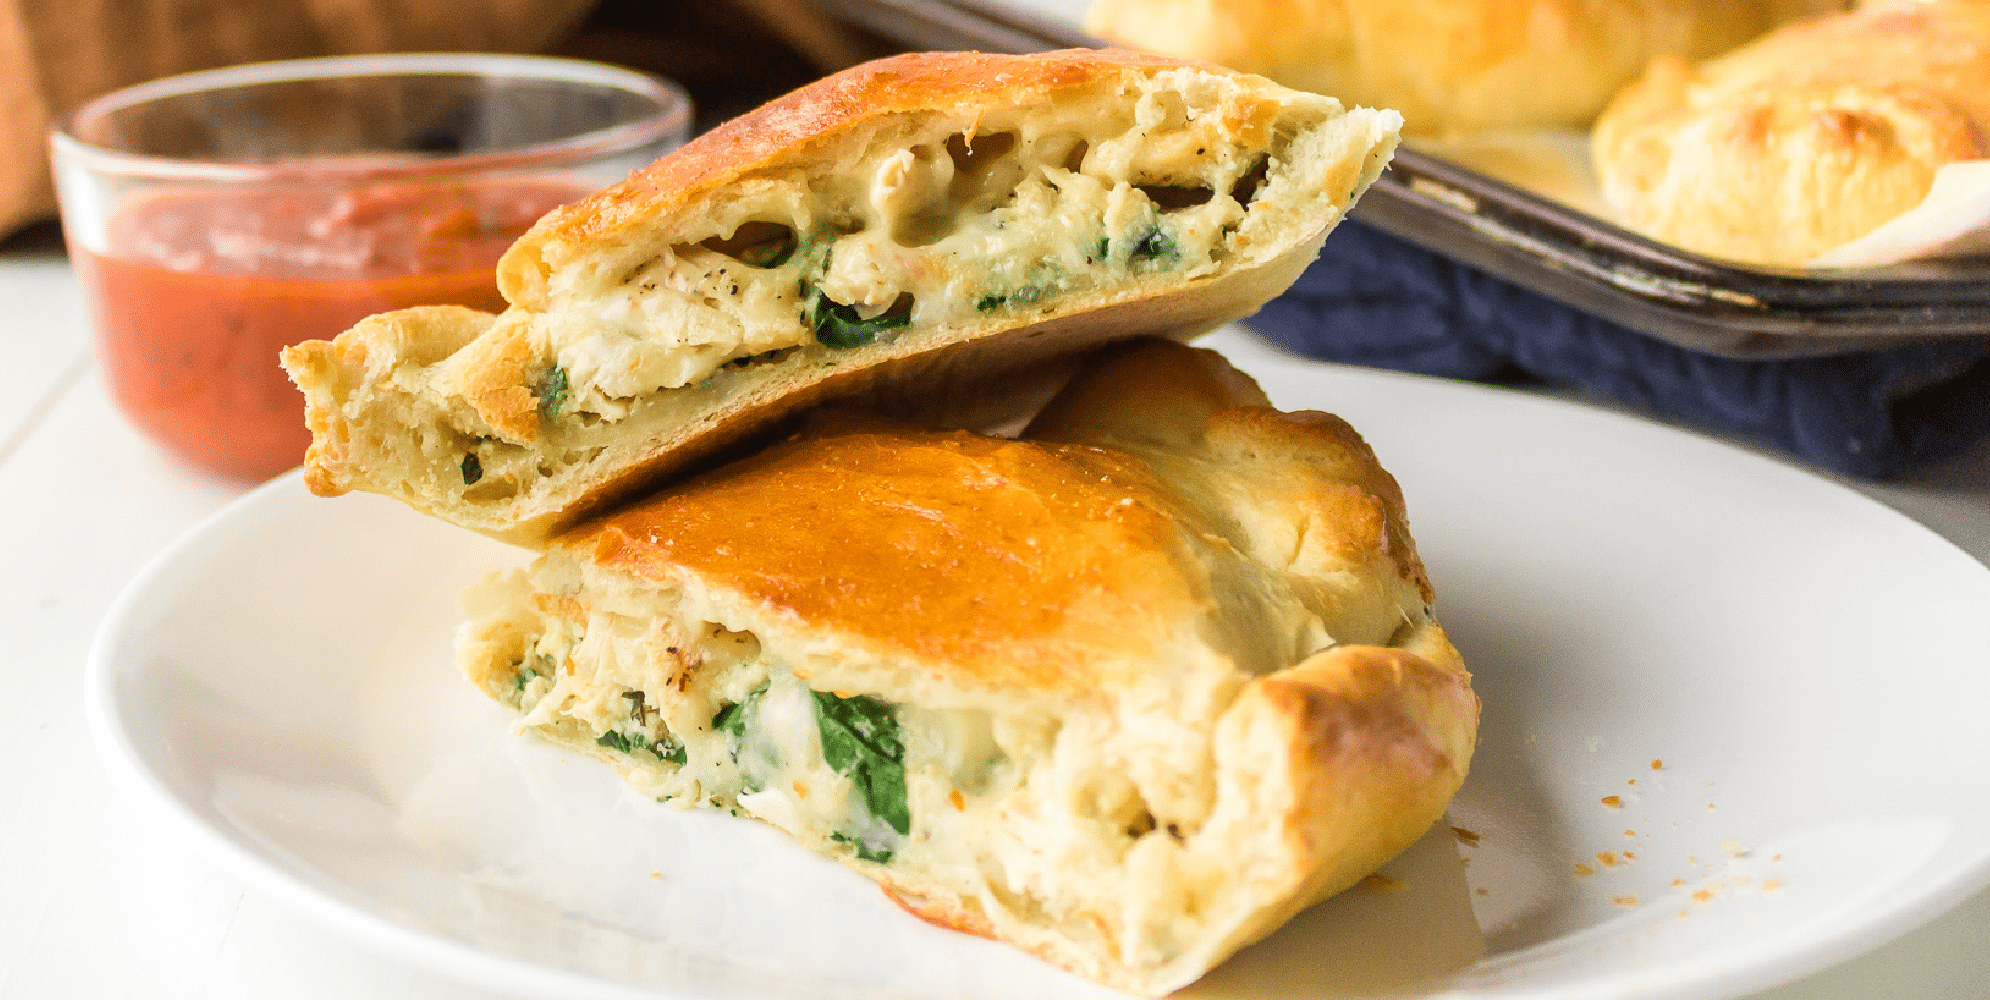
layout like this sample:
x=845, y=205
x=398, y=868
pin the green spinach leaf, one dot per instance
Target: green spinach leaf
x=670, y=750
x=732, y=719
x=731, y=716
x=552, y=391
x=1156, y=245
x=839, y=326
x=860, y=739
x=881, y=855
x=666, y=748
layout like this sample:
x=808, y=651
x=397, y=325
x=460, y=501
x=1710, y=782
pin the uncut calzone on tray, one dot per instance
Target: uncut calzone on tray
x=926, y=220
x=1127, y=693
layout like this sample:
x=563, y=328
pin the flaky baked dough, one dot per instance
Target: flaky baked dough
x=1804, y=140
x=1448, y=65
x=930, y=220
x=1164, y=673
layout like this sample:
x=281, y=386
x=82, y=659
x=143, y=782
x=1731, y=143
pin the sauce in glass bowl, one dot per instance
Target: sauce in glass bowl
x=215, y=218
x=197, y=292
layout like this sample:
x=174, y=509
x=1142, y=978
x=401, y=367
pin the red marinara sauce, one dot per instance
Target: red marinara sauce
x=199, y=292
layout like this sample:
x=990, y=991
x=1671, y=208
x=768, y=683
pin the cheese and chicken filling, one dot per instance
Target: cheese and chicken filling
x=928, y=219
x=728, y=724
x=923, y=222
x=1012, y=811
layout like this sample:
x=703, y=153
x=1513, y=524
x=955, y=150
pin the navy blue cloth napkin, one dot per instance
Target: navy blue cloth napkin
x=1372, y=299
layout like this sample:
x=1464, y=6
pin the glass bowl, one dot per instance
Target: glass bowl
x=217, y=217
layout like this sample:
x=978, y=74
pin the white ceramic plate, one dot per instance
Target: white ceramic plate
x=1809, y=667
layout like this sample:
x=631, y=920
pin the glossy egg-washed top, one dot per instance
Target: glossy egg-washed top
x=1204, y=522
x=1022, y=559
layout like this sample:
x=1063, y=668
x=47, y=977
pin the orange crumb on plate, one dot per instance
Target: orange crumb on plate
x=1584, y=870
x=1465, y=836
x=1613, y=801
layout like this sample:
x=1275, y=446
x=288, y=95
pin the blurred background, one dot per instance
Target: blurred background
x=1481, y=254
x=730, y=54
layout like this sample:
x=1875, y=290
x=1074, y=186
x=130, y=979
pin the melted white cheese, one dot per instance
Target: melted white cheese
x=1059, y=197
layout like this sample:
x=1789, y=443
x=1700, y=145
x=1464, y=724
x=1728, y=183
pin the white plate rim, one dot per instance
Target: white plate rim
x=139, y=779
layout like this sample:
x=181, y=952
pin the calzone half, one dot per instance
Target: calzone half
x=927, y=220
x=1127, y=693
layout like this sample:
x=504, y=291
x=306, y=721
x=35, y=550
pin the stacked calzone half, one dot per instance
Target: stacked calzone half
x=1127, y=692
x=929, y=220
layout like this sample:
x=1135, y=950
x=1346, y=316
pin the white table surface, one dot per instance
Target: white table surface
x=101, y=898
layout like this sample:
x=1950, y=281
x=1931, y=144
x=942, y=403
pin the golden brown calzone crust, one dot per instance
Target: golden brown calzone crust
x=1166, y=671
x=933, y=221
x=1804, y=140
x=1450, y=66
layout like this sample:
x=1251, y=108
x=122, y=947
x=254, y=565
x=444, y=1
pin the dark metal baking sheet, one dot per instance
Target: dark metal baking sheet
x=1682, y=298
